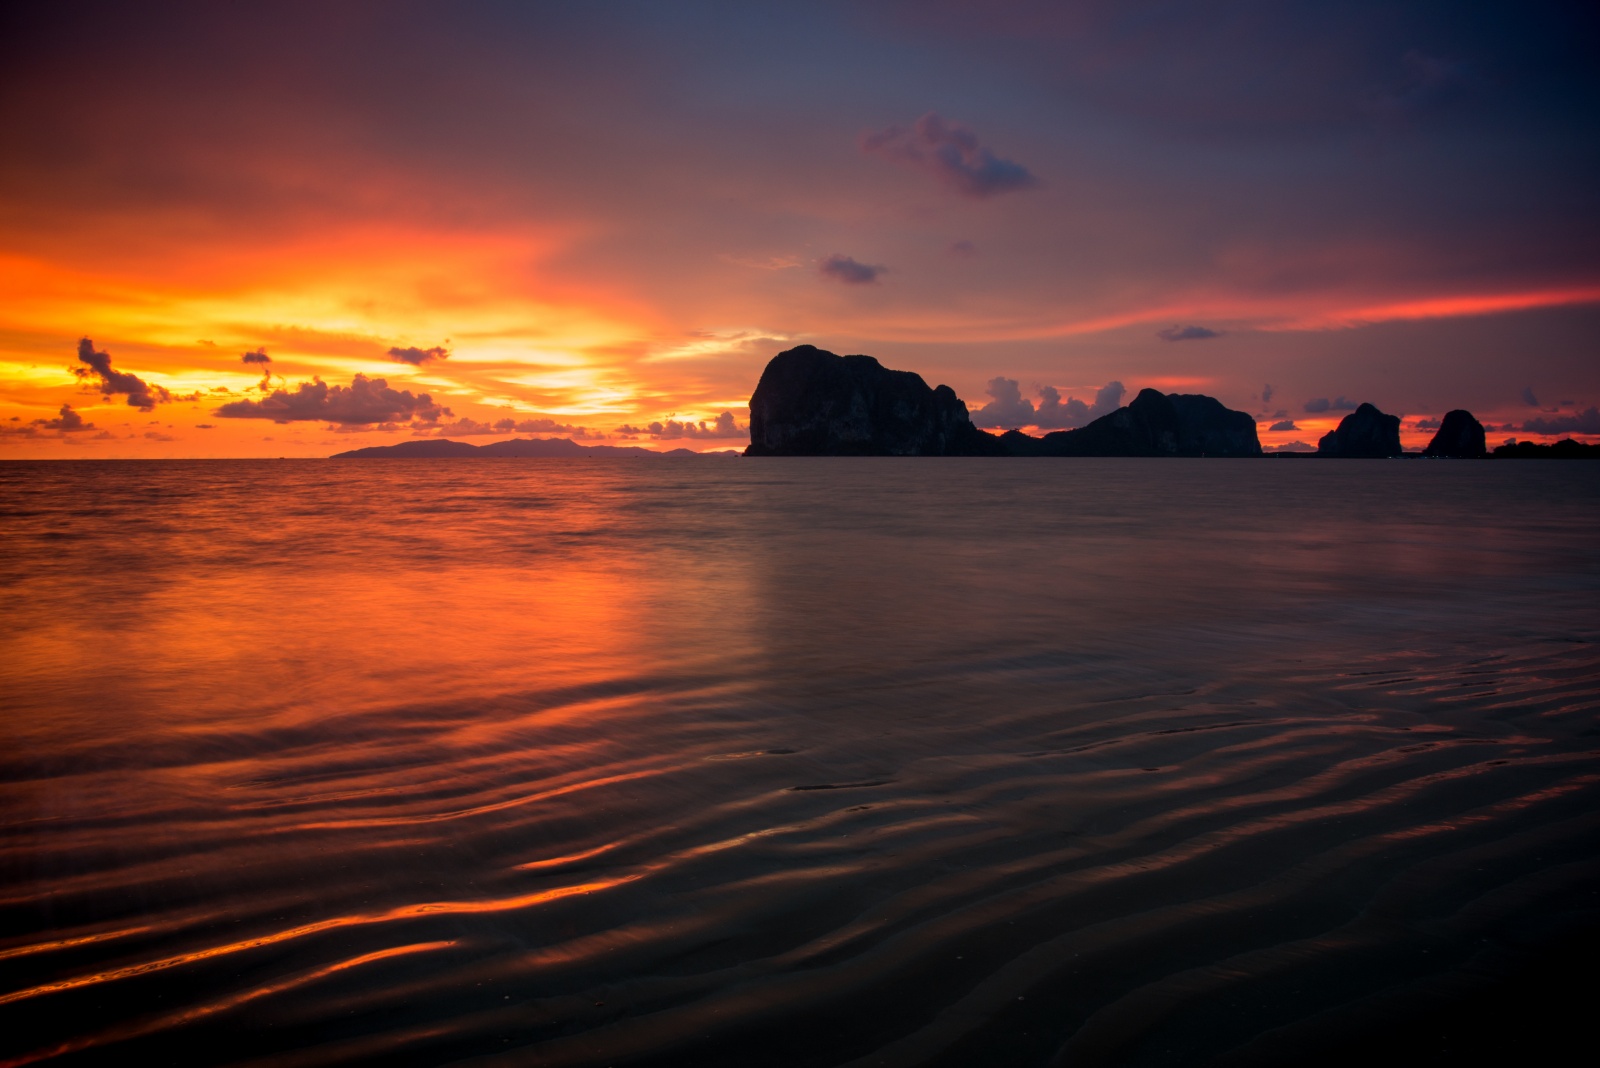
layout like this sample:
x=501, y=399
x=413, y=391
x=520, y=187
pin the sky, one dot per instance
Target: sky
x=293, y=229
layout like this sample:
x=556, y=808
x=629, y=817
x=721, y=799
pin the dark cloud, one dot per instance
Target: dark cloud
x=259, y=358
x=1187, y=333
x=1007, y=406
x=1577, y=423
x=952, y=154
x=141, y=394
x=1266, y=393
x=68, y=422
x=1425, y=424
x=847, y=270
x=417, y=357
x=1283, y=424
x=723, y=426
x=156, y=435
x=364, y=400
x=1293, y=446
x=1528, y=398
x=1318, y=405
x=964, y=249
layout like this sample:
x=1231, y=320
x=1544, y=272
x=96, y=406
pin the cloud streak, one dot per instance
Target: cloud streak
x=1187, y=333
x=1586, y=422
x=952, y=154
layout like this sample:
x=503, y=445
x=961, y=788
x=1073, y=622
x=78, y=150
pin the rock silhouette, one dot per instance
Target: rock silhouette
x=811, y=402
x=1365, y=432
x=1154, y=424
x=1565, y=449
x=1459, y=435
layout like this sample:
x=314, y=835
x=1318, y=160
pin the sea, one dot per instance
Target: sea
x=816, y=761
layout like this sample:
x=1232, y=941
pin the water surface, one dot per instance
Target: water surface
x=789, y=762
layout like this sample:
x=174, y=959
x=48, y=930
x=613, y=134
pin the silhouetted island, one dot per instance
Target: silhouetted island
x=1153, y=424
x=1459, y=436
x=1565, y=449
x=437, y=448
x=1365, y=432
x=811, y=402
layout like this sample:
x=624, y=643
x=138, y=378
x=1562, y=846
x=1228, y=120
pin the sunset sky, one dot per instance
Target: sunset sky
x=288, y=230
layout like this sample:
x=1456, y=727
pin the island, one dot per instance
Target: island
x=811, y=402
x=444, y=448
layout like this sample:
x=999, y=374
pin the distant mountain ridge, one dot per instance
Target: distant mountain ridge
x=442, y=448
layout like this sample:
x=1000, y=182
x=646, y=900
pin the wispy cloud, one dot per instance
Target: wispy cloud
x=952, y=154
x=1187, y=333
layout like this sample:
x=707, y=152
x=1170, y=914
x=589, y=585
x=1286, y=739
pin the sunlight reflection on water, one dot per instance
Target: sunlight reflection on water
x=654, y=762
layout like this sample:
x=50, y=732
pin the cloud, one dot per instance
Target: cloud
x=1293, y=446
x=465, y=427
x=1009, y=408
x=68, y=422
x=1528, y=398
x=1266, y=393
x=417, y=357
x=141, y=394
x=259, y=358
x=1318, y=405
x=964, y=249
x=1188, y=333
x=156, y=435
x=723, y=426
x=1578, y=423
x=951, y=153
x=364, y=400
x=1056, y=415
x=1425, y=424
x=847, y=270
x=1283, y=424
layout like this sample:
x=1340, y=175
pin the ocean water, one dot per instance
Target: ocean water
x=794, y=762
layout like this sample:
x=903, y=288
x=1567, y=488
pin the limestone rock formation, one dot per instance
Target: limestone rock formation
x=1459, y=435
x=1154, y=424
x=811, y=402
x=1365, y=432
